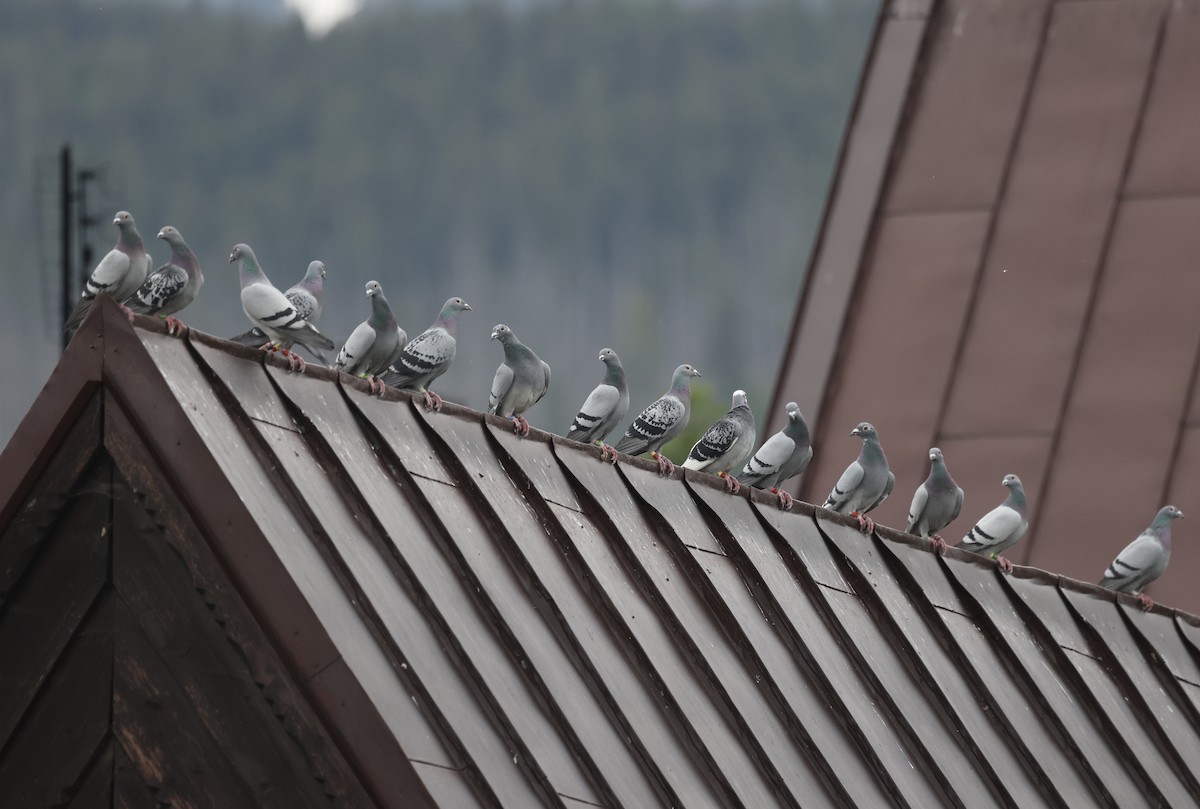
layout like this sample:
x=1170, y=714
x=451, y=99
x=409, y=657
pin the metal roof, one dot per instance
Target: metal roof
x=1007, y=270
x=441, y=613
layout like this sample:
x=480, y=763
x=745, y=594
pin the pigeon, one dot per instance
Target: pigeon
x=727, y=444
x=172, y=286
x=271, y=311
x=1143, y=560
x=520, y=382
x=305, y=297
x=1000, y=528
x=604, y=408
x=784, y=454
x=119, y=273
x=936, y=502
x=866, y=483
x=662, y=421
x=428, y=356
x=374, y=344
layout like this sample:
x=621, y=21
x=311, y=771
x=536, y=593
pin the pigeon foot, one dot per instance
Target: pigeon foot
x=376, y=386
x=785, y=499
x=731, y=484
x=865, y=523
x=128, y=312
x=520, y=425
x=1145, y=601
x=939, y=545
x=665, y=467
x=175, y=327
x=296, y=363
x=607, y=453
x=1004, y=565
x=433, y=401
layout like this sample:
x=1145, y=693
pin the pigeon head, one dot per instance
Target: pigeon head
x=373, y=289
x=739, y=399
x=686, y=370
x=935, y=454
x=609, y=357
x=129, y=240
x=502, y=333
x=793, y=411
x=1012, y=482
x=315, y=274
x=123, y=220
x=453, y=306
x=169, y=234
x=865, y=431
x=1165, y=515
x=240, y=251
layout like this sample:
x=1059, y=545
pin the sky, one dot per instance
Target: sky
x=321, y=15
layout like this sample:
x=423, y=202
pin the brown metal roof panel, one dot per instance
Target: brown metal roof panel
x=849, y=211
x=916, y=259
x=635, y=590
x=1049, y=237
x=925, y=570
x=948, y=704
x=1164, y=637
x=1178, y=739
x=975, y=73
x=1057, y=704
x=741, y=590
x=1122, y=421
x=732, y=679
x=1176, y=585
x=1165, y=160
x=804, y=544
x=402, y=432
x=448, y=786
x=619, y=663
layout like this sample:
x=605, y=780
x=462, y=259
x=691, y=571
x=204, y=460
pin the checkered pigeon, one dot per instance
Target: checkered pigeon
x=171, y=287
x=662, y=420
x=428, y=355
x=727, y=444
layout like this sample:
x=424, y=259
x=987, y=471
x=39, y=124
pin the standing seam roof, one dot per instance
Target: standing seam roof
x=477, y=619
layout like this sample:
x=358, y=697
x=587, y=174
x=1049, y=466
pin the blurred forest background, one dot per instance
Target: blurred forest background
x=642, y=175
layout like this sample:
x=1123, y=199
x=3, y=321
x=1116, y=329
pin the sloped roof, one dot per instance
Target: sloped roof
x=450, y=615
x=1008, y=270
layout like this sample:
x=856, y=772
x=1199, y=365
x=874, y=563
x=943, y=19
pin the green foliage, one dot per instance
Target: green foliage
x=645, y=175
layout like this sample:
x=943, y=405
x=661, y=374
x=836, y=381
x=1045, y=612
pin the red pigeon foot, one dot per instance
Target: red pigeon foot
x=865, y=523
x=376, y=386
x=607, y=453
x=268, y=346
x=128, y=312
x=433, y=401
x=1145, y=601
x=1004, y=565
x=731, y=484
x=665, y=467
x=520, y=426
x=175, y=327
x=785, y=499
x=939, y=545
x=295, y=361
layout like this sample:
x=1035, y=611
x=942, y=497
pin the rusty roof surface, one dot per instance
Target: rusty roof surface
x=477, y=619
x=1008, y=270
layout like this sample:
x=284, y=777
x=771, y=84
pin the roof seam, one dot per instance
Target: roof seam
x=1099, y=274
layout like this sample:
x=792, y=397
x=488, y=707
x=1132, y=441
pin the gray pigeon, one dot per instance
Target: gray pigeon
x=727, y=444
x=662, y=421
x=520, y=382
x=784, y=454
x=936, y=502
x=428, y=355
x=306, y=298
x=1000, y=528
x=172, y=286
x=119, y=273
x=374, y=344
x=271, y=311
x=604, y=408
x=1143, y=560
x=866, y=483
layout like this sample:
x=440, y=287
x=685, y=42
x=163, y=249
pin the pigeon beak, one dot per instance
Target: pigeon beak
x=466, y=307
x=1181, y=515
x=162, y=234
x=495, y=335
x=232, y=257
x=855, y=432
